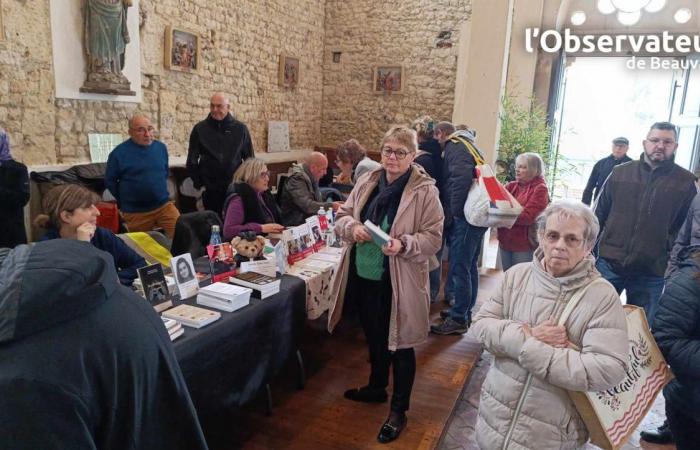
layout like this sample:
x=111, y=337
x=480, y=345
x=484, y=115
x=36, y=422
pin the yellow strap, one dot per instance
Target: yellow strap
x=475, y=153
x=152, y=249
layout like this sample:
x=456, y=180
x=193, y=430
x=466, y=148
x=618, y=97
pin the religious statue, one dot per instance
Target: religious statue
x=106, y=36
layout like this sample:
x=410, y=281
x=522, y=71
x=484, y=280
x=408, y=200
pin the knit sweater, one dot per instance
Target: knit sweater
x=137, y=176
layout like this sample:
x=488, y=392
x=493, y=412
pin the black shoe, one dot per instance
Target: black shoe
x=445, y=313
x=662, y=435
x=449, y=326
x=392, y=428
x=366, y=394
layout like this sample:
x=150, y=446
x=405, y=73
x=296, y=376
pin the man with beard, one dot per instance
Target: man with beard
x=218, y=145
x=640, y=209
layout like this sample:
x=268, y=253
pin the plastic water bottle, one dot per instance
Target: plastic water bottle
x=329, y=217
x=215, y=238
x=321, y=212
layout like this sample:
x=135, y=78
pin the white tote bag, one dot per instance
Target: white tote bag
x=488, y=203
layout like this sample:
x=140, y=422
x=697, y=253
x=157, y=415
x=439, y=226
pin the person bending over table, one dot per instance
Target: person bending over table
x=249, y=206
x=70, y=213
x=402, y=199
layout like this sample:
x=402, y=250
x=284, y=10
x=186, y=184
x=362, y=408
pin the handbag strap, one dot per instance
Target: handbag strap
x=470, y=147
x=573, y=301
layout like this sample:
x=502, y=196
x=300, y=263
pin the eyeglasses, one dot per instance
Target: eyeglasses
x=265, y=174
x=571, y=241
x=665, y=142
x=144, y=130
x=399, y=154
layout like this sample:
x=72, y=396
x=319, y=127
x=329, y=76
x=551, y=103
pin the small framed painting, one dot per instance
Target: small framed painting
x=388, y=80
x=182, y=50
x=288, y=71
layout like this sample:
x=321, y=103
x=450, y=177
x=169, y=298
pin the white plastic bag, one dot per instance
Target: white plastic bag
x=489, y=204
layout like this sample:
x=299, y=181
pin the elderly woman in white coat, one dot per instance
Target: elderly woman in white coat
x=524, y=401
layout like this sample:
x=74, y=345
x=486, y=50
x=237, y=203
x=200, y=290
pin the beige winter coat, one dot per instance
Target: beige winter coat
x=418, y=225
x=538, y=415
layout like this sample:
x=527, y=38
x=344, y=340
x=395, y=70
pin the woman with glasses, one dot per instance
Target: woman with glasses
x=352, y=160
x=524, y=401
x=517, y=243
x=392, y=276
x=249, y=206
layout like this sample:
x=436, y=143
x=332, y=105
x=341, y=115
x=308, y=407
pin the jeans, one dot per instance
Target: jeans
x=465, y=247
x=509, y=259
x=642, y=290
x=374, y=304
x=685, y=429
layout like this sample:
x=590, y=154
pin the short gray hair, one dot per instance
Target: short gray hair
x=566, y=209
x=534, y=163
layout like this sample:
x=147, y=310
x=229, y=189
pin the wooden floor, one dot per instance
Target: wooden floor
x=318, y=417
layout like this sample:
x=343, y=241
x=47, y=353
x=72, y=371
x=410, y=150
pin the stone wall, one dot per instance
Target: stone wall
x=420, y=36
x=241, y=44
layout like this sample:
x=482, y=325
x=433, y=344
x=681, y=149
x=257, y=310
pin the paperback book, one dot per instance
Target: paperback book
x=315, y=227
x=262, y=284
x=192, y=316
x=221, y=261
x=378, y=235
x=224, y=296
x=155, y=288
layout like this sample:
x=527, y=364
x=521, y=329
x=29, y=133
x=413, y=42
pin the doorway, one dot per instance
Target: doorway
x=601, y=99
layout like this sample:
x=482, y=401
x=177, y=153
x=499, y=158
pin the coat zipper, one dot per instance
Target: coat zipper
x=521, y=400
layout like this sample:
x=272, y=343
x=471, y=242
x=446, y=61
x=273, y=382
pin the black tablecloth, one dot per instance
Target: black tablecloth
x=227, y=362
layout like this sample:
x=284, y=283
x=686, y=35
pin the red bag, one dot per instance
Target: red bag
x=109, y=216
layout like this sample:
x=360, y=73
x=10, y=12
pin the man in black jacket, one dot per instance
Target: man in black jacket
x=84, y=361
x=641, y=208
x=602, y=169
x=218, y=145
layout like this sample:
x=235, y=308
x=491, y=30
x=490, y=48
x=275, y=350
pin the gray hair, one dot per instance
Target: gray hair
x=534, y=163
x=565, y=209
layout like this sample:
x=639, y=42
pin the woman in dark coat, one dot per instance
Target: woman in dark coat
x=14, y=192
x=677, y=331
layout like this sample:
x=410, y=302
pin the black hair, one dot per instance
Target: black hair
x=665, y=126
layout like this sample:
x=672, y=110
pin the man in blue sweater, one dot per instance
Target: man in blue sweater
x=137, y=174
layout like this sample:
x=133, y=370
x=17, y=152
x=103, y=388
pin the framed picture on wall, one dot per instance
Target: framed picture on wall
x=288, y=71
x=182, y=51
x=388, y=80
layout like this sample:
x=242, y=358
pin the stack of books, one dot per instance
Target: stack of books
x=263, y=285
x=224, y=296
x=174, y=328
x=192, y=316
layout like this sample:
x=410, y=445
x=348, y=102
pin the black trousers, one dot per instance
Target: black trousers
x=374, y=307
x=685, y=429
x=213, y=200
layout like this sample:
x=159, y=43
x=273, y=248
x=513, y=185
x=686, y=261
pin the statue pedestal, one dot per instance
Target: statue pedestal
x=106, y=87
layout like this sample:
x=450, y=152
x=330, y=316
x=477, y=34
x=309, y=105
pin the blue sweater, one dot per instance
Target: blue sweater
x=137, y=176
x=126, y=261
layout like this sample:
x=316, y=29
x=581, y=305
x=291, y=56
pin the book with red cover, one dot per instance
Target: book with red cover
x=221, y=261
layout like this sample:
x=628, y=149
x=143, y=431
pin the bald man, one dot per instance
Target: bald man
x=218, y=145
x=301, y=196
x=137, y=176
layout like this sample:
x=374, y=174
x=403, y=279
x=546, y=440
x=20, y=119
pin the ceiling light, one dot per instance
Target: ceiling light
x=655, y=6
x=578, y=18
x=606, y=7
x=683, y=15
x=628, y=19
x=630, y=6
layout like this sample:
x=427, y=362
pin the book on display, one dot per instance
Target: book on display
x=224, y=296
x=263, y=284
x=192, y=316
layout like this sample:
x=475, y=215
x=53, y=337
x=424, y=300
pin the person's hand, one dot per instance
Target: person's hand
x=337, y=205
x=272, y=228
x=392, y=248
x=360, y=233
x=551, y=334
x=86, y=231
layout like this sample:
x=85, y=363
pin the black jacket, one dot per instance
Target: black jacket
x=600, y=173
x=216, y=150
x=457, y=176
x=301, y=197
x=640, y=210
x=14, y=194
x=677, y=332
x=85, y=362
x=431, y=159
